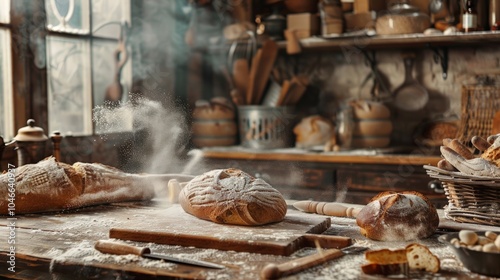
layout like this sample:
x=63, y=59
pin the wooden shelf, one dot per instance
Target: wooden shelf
x=398, y=41
x=294, y=155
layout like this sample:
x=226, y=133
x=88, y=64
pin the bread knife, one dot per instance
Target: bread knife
x=110, y=247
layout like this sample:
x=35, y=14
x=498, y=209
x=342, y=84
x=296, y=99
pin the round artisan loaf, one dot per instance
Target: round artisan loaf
x=391, y=216
x=231, y=196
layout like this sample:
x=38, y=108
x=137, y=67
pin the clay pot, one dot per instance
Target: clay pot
x=372, y=125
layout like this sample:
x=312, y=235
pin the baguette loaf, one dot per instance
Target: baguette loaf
x=54, y=186
x=231, y=196
x=401, y=216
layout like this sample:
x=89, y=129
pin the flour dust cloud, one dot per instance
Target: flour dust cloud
x=159, y=134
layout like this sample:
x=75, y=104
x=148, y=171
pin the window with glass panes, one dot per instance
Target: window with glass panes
x=84, y=60
x=6, y=102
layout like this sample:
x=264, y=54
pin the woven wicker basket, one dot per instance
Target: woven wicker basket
x=471, y=199
x=479, y=105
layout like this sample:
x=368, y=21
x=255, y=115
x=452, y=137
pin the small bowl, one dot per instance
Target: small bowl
x=475, y=261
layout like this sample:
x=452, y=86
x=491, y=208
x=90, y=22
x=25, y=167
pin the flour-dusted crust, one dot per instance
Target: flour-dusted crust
x=54, y=186
x=398, y=217
x=231, y=196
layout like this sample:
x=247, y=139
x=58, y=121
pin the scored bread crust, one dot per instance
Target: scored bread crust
x=402, y=216
x=231, y=196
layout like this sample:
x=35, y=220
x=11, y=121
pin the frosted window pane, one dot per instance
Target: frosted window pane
x=5, y=11
x=6, y=105
x=71, y=16
x=107, y=15
x=69, y=93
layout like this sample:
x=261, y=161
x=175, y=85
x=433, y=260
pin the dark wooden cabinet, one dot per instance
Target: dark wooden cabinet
x=350, y=179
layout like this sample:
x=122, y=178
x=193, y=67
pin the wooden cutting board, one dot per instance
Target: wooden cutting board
x=173, y=226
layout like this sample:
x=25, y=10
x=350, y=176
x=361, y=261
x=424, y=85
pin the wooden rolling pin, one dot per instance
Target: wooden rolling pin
x=327, y=208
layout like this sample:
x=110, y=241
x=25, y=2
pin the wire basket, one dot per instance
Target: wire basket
x=479, y=105
x=471, y=199
x=266, y=127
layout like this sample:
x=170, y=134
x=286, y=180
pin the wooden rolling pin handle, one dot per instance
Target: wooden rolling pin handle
x=274, y=271
x=115, y=248
x=338, y=210
x=327, y=208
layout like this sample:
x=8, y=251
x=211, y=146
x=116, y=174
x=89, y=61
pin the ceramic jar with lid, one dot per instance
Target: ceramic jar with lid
x=31, y=143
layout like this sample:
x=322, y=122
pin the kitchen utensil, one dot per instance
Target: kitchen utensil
x=114, y=91
x=410, y=96
x=115, y=248
x=272, y=95
x=475, y=261
x=298, y=86
x=327, y=208
x=261, y=68
x=240, y=76
x=274, y=271
x=285, y=88
x=173, y=226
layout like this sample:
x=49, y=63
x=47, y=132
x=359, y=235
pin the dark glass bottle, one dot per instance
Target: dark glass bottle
x=469, y=16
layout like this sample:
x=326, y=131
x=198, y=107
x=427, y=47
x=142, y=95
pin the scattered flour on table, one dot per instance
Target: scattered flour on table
x=84, y=252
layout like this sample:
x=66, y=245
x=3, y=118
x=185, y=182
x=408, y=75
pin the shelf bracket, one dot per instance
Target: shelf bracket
x=441, y=56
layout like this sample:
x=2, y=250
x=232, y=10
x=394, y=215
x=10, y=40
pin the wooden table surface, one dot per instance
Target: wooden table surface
x=61, y=245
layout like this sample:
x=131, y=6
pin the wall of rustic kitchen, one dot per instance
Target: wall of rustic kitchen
x=340, y=76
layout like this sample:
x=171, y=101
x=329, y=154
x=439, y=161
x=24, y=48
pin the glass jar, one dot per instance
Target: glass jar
x=402, y=18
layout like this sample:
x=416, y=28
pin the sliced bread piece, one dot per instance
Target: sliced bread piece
x=421, y=258
x=386, y=256
x=386, y=262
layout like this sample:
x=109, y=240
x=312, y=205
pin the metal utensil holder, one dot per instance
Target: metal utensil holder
x=266, y=127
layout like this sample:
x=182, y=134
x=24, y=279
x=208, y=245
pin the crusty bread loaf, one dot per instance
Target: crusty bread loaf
x=231, y=196
x=54, y=186
x=313, y=131
x=391, y=216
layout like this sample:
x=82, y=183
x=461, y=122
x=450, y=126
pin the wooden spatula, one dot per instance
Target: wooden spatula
x=261, y=70
x=253, y=77
x=241, y=75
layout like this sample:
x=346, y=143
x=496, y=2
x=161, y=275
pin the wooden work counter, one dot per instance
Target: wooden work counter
x=346, y=176
x=60, y=245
